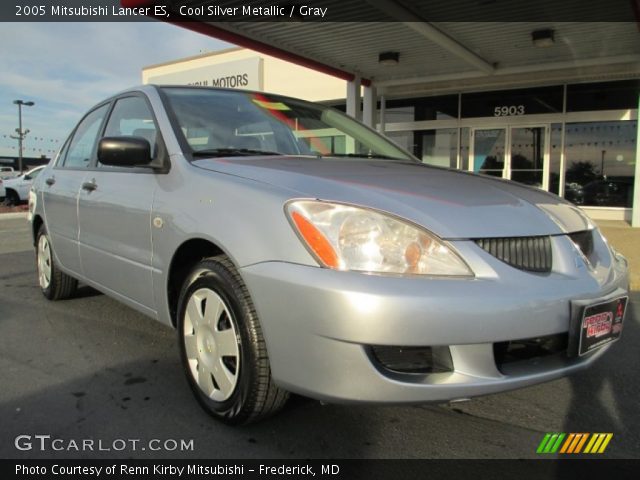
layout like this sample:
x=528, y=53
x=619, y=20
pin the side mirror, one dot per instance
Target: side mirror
x=124, y=151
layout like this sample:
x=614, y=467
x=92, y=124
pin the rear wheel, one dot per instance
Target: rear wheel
x=222, y=348
x=55, y=284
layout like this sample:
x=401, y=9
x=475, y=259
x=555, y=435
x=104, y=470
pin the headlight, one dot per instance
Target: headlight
x=344, y=237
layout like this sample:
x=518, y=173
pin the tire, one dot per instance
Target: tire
x=54, y=284
x=11, y=198
x=222, y=348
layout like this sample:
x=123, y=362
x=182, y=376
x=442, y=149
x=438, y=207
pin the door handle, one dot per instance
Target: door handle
x=89, y=186
x=50, y=181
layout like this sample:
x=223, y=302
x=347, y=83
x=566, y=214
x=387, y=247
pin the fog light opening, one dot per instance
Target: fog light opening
x=413, y=360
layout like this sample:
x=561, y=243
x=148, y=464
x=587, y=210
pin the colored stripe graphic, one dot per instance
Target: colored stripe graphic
x=555, y=447
x=605, y=443
x=567, y=443
x=550, y=443
x=581, y=443
x=598, y=442
x=543, y=443
x=573, y=443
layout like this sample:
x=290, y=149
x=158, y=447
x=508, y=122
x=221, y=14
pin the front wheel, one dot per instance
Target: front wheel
x=11, y=198
x=222, y=348
x=55, y=284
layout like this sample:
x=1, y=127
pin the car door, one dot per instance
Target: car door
x=62, y=185
x=115, y=213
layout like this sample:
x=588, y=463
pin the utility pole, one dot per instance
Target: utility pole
x=21, y=134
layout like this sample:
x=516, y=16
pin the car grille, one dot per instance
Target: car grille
x=584, y=241
x=532, y=254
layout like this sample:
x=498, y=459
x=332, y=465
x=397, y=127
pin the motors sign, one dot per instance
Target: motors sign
x=246, y=73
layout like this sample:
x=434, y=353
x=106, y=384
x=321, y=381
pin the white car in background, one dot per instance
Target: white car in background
x=16, y=189
x=7, y=172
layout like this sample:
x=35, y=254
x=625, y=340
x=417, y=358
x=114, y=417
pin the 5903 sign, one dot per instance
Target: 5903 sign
x=508, y=110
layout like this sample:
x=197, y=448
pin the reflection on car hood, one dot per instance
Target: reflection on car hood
x=452, y=204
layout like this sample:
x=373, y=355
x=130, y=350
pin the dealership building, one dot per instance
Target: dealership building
x=551, y=105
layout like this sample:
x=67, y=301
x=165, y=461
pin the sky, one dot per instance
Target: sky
x=65, y=68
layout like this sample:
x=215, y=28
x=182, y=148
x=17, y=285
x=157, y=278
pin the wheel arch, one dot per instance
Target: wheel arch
x=186, y=256
x=36, y=223
x=11, y=191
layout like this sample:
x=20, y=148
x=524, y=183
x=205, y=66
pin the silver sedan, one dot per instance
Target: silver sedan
x=296, y=250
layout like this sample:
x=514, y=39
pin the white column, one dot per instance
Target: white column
x=635, y=213
x=383, y=108
x=369, y=104
x=353, y=98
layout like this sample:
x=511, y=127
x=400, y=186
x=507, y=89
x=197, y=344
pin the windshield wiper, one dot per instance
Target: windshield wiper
x=232, y=152
x=359, y=155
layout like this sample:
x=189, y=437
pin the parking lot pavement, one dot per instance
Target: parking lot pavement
x=14, y=233
x=91, y=368
x=627, y=241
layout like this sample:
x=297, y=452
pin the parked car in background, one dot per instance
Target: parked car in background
x=7, y=172
x=2, y=191
x=17, y=188
x=296, y=250
x=609, y=192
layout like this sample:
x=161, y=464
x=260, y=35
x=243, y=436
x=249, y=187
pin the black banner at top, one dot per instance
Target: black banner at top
x=215, y=11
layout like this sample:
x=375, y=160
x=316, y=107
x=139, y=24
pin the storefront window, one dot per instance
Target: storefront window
x=464, y=148
x=416, y=109
x=554, y=160
x=603, y=96
x=527, y=155
x=600, y=163
x=512, y=103
x=438, y=147
x=489, y=151
x=398, y=114
x=403, y=140
x=434, y=147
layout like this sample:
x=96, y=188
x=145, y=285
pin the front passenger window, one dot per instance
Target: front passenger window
x=84, y=139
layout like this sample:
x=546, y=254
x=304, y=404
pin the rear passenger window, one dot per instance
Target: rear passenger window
x=131, y=117
x=84, y=139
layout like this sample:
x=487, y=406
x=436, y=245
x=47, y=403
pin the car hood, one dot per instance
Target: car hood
x=12, y=181
x=451, y=204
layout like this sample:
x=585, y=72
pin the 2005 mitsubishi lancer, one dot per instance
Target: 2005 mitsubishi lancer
x=296, y=250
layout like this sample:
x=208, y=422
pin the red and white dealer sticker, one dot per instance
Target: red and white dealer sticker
x=601, y=324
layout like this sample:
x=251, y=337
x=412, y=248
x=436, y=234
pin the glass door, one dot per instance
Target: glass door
x=512, y=152
x=528, y=155
x=488, y=150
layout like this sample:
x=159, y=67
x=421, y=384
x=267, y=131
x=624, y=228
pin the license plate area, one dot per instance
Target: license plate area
x=596, y=324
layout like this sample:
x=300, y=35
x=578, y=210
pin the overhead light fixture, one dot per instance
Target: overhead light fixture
x=543, y=38
x=388, y=58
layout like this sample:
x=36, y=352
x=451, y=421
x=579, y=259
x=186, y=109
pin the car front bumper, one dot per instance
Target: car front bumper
x=319, y=325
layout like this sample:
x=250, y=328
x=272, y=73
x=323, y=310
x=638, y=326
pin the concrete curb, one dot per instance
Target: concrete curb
x=9, y=216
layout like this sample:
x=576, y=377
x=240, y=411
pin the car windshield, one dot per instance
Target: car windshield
x=236, y=123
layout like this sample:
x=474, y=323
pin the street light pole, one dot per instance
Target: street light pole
x=21, y=134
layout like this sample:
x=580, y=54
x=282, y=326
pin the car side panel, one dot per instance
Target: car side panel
x=60, y=208
x=115, y=233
